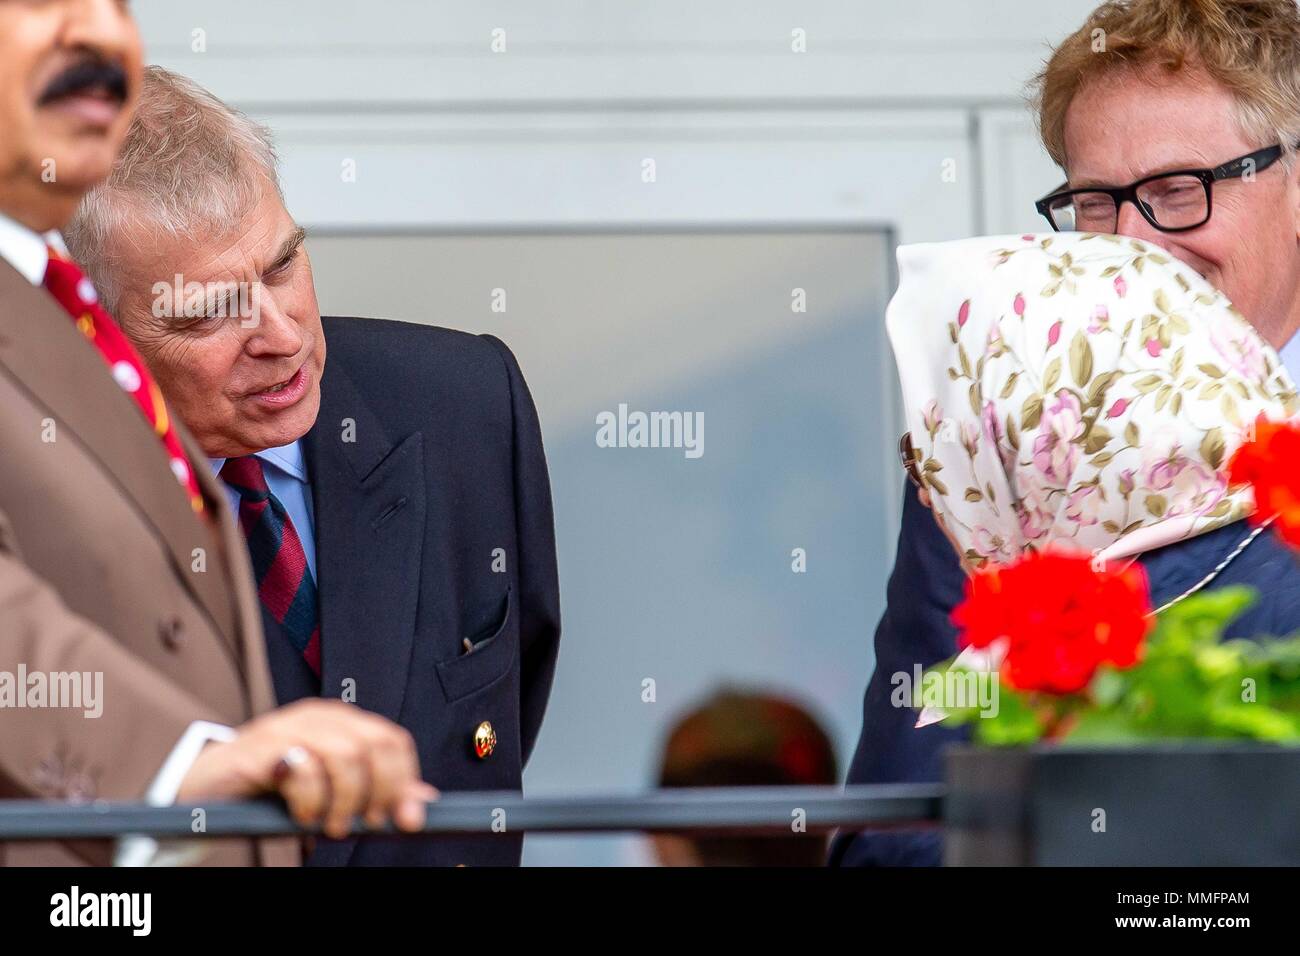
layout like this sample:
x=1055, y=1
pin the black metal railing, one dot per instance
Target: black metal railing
x=713, y=809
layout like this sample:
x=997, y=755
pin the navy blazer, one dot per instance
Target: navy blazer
x=433, y=522
x=928, y=582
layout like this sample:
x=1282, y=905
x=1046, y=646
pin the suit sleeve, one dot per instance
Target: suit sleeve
x=538, y=578
x=926, y=584
x=53, y=752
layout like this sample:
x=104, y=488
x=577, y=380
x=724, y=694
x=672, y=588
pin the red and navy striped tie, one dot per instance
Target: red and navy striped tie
x=284, y=582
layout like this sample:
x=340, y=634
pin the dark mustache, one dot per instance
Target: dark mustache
x=87, y=75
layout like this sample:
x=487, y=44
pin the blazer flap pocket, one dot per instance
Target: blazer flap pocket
x=490, y=658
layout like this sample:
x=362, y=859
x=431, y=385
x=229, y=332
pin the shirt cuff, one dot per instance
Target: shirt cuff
x=146, y=851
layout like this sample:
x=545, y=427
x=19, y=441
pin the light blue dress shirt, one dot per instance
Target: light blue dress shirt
x=285, y=469
x=1290, y=356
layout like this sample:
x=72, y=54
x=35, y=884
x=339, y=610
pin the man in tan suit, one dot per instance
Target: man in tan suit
x=132, y=663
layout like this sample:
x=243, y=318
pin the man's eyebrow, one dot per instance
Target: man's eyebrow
x=288, y=249
x=1159, y=170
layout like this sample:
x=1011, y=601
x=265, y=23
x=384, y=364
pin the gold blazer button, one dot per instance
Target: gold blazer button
x=485, y=740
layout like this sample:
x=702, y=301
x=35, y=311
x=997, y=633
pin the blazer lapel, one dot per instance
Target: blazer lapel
x=41, y=348
x=369, y=501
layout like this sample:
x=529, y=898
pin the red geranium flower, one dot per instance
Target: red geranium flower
x=1060, y=617
x=1271, y=464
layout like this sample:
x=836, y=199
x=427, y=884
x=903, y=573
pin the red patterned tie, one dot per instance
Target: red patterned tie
x=284, y=582
x=72, y=290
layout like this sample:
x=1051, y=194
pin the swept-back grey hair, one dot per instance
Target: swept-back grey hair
x=190, y=166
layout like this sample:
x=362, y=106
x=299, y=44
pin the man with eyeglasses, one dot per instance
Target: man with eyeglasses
x=1178, y=200
x=1180, y=132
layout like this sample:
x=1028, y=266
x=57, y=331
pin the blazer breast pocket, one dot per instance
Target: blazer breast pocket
x=491, y=658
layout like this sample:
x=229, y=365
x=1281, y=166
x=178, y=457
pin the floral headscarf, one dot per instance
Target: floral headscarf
x=1075, y=389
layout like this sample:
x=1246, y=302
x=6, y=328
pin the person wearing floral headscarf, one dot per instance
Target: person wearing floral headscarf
x=1069, y=391
x=1085, y=393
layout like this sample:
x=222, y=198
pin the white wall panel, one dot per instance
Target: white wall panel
x=1016, y=170
x=437, y=52
x=505, y=169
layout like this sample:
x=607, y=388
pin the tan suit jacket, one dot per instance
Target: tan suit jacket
x=105, y=568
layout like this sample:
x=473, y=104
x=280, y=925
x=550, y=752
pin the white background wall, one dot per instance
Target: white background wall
x=903, y=120
x=554, y=128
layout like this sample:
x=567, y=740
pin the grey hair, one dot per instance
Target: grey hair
x=190, y=166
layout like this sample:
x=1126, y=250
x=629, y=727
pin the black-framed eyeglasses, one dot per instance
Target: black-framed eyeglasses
x=1175, y=201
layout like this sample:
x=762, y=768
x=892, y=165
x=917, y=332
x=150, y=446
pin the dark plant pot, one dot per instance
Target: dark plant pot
x=1173, y=804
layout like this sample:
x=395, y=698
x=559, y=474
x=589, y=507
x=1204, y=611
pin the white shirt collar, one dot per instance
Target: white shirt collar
x=24, y=249
x=288, y=458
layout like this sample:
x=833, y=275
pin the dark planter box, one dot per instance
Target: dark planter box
x=1175, y=804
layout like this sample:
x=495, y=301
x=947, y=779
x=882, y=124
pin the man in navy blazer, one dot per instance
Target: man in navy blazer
x=394, y=496
x=433, y=529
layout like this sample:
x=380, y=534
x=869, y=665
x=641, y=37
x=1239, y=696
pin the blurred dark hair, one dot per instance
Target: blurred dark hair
x=739, y=738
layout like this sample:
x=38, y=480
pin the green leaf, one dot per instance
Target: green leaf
x=1108, y=687
x=1052, y=374
x=1080, y=359
x=1213, y=448
x=1031, y=411
x=1228, y=405
x=1014, y=722
x=1097, y=390
x=1096, y=439
x=1105, y=727
x=1201, y=618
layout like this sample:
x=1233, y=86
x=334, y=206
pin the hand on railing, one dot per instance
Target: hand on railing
x=329, y=760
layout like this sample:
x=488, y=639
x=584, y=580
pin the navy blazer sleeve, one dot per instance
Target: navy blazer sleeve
x=539, y=589
x=926, y=584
